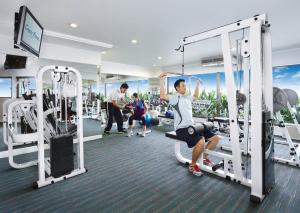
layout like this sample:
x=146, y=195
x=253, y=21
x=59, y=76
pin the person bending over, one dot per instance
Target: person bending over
x=140, y=109
x=183, y=118
x=113, y=108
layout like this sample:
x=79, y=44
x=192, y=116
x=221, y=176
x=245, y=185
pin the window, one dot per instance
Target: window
x=287, y=77
x=98, y=91
x=111, y=87
x=5, y=87
x=143, y=86
x=26, y=85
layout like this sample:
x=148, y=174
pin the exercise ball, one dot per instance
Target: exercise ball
x=279, y=99
x=148, y=119
x=169, y=114
x=292, y=96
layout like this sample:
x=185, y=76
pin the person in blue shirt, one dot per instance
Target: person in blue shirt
x=139, y=111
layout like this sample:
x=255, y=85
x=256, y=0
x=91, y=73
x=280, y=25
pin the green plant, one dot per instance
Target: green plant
x=144, y=96
x=287, y=117
x=214, y=109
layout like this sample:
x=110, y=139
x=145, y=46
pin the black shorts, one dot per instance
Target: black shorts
x=191, y=141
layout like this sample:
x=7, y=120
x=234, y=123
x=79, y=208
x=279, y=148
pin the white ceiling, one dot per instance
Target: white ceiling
x=157, y=25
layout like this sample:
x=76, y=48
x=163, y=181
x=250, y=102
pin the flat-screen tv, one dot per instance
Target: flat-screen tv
x=28, y=31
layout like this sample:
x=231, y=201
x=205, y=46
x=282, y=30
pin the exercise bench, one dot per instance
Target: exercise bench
x=222, y=169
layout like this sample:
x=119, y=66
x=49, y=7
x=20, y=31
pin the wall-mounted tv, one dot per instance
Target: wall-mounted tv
x=28, y=31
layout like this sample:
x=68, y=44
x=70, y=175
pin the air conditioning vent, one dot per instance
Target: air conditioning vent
x=213, y=61
x=108, y=76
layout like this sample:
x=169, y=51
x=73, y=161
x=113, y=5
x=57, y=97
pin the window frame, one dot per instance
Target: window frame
x=11, y=83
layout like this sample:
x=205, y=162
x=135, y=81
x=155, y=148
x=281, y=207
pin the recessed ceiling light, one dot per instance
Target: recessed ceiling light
x=73, y=25
x=134, y=41
x=98, y=66
x=159, y=57
x=103, y=52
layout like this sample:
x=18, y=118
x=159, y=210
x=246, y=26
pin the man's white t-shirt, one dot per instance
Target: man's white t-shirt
x=115, y=95
x=183, y=115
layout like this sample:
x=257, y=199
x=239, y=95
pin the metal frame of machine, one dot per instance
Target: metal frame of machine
x=256, y=52
x=43, y=163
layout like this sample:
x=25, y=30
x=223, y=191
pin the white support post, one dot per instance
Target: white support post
x=256, y=109
x=267, y=69
x=232, y=107
x=80, y=154
x=40, y=126
x=246, y=69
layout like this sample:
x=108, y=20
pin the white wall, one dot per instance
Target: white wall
x=69, y=54
x=127, y=69
x=286, y=57
x=279, y=58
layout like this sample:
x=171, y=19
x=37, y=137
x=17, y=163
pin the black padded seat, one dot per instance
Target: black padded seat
x=172, y=135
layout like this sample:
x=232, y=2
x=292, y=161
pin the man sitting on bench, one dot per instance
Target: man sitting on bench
x=183, y=118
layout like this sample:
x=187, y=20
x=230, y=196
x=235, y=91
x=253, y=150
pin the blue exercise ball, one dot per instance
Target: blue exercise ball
x=148, y=119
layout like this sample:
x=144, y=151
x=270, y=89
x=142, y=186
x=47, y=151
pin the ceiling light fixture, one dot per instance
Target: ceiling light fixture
x=159, y=57
x=73, y=25
x=134, y=41
x=103, y=52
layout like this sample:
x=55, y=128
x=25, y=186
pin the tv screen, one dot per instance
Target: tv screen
x=15, y=62
x=29, y=30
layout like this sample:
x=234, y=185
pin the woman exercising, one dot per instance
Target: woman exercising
x=183, y=118
x=139, y=107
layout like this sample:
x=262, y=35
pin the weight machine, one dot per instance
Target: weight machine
x=58, y=74
x=256, y=58
x=287, y=98
x=48, y=129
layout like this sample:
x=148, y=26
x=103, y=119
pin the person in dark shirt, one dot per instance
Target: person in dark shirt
x=139, y=107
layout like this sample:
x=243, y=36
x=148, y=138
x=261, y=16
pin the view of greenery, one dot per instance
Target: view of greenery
x=208, y=92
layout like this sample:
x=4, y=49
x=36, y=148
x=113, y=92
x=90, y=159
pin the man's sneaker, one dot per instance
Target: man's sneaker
x=129, y=133
x=122, y=131
x=207, y=162
x=106, y=133
x=195, y=170
x=143, y=133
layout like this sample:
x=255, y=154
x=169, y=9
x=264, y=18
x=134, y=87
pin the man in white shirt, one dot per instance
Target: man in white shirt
x=183, y=118
x=114, y=101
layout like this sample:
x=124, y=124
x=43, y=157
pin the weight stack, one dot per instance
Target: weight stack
x=268, y=151
x=25, y=128
x=61, y=155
